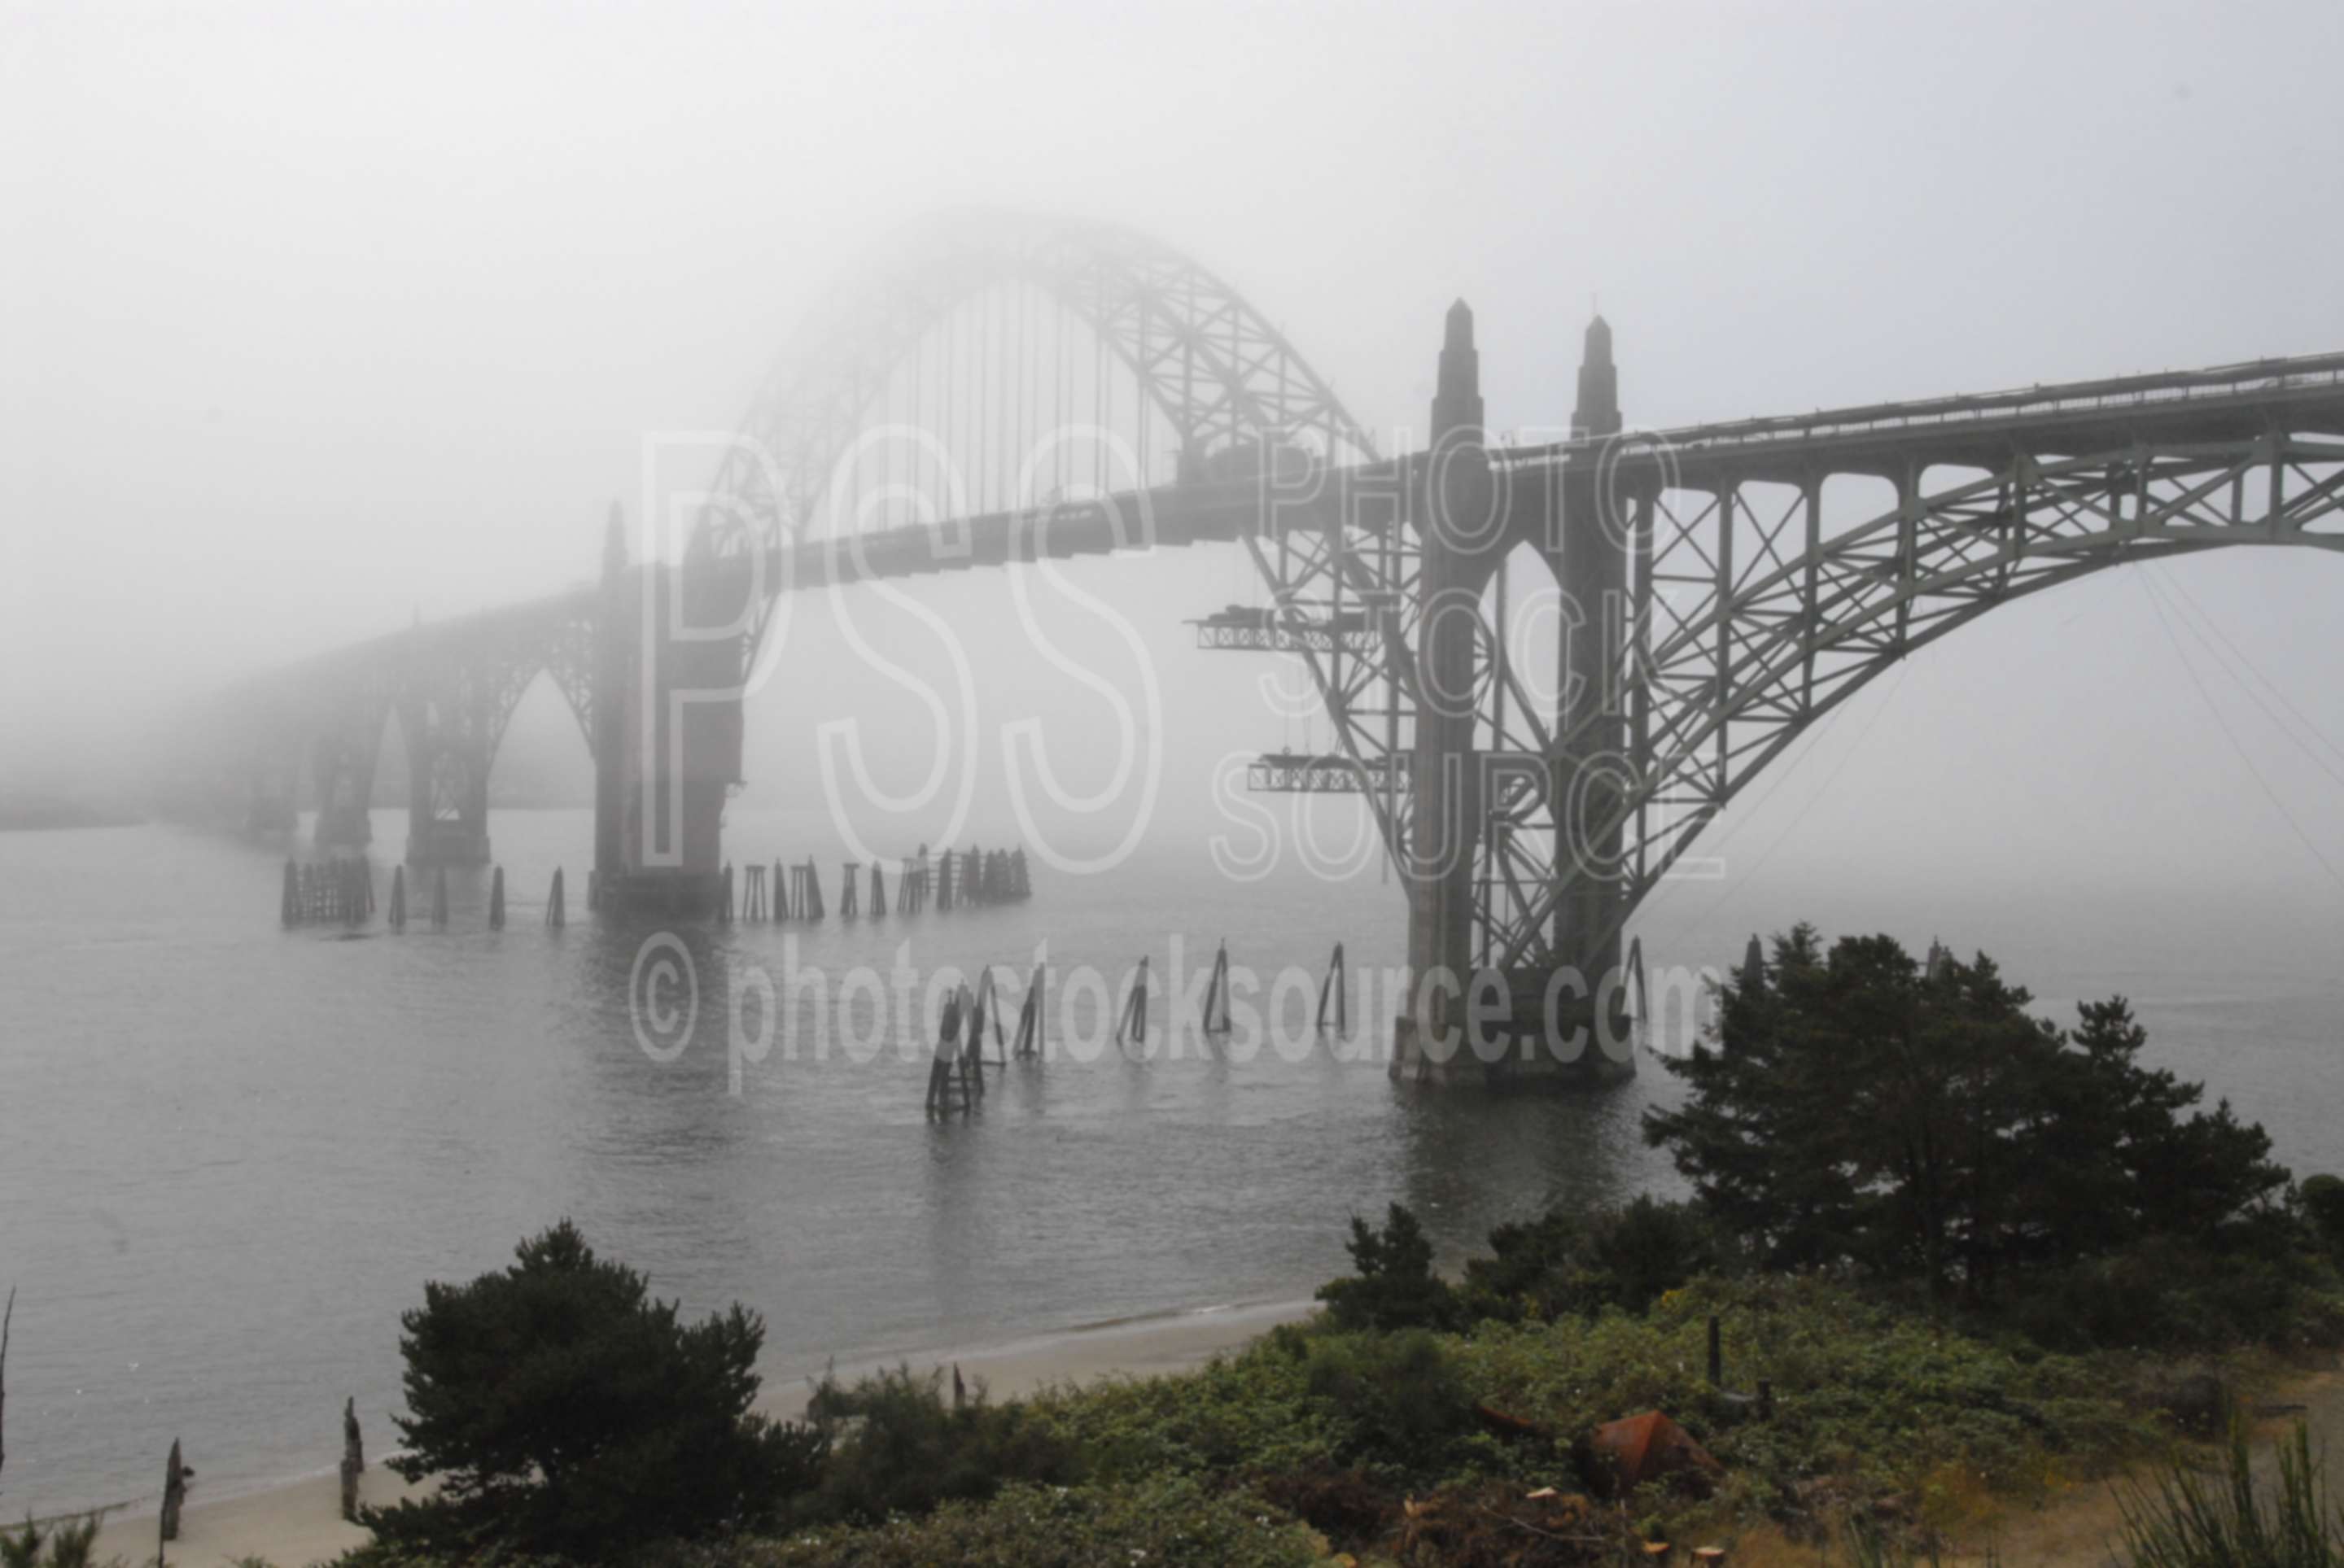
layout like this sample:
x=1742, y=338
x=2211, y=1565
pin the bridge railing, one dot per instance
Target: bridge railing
x=2253, y=378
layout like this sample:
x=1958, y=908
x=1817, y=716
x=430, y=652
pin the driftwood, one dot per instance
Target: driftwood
x=1504, y=1426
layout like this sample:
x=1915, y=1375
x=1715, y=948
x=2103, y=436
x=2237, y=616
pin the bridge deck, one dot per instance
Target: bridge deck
x=2304, y=394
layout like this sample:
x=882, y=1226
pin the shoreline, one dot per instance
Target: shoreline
x=296, y=1523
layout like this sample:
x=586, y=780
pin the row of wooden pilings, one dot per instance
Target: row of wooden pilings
x=960, y=1036
x=963, y=878
x=341, y=892
x=179, y=1475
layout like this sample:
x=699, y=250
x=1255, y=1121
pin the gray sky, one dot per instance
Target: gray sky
x=314, y=316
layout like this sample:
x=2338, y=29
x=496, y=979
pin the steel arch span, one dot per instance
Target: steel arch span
x=1722, y=598
x=1235, y=396
x=1751, y=614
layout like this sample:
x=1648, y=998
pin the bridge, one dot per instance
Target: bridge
x=1003, y=390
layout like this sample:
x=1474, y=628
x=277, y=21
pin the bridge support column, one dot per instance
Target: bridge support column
x=1541, y=1027
x=1588, y=784
x=342, y=764
x=1445, y=815
x=672, y=753
x=272, y=800
x=447, y=799
x=613, y=671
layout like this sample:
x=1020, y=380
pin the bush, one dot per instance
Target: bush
x=1395, y=1287
x=1569, y=1261
x=906, y=1451
x=2165, y=1293
x=568, y=1413
x=2321, y=1198
x=1398, y=1395
x=1876, y=1399
x=1245, y=1413
x=67, y=1545
x=1171, y=1521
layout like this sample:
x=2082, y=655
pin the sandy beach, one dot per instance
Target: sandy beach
x=301, y=1523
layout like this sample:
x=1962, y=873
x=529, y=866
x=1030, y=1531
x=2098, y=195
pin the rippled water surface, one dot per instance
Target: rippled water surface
x=230, y=1155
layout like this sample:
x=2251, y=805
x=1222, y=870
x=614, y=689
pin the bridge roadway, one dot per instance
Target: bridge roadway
x=2227, y=402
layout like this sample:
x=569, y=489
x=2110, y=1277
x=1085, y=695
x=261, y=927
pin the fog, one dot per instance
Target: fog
x=316, y=319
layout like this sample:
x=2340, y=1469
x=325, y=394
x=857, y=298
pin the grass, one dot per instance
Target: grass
x=2223, y=1518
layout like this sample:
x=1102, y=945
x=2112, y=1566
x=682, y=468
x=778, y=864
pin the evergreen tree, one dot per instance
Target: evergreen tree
x=564, y=1410
x=1857, y=1109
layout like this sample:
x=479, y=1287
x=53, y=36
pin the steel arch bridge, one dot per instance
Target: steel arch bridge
x=995, y=389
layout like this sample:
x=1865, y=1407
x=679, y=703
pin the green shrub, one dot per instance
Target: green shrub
x=1867, y=1395
x=1253, y=1411
x=64, y=1545
x=566, y=1412
x=2166, y=1293
x=2321, y=1199
x=1395, y=1287
x=1398, y=1396
x=907, y=1450
x=1569, y=1260
x=1171, y=1521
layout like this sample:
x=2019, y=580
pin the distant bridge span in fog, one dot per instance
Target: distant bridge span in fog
x=1005, y=389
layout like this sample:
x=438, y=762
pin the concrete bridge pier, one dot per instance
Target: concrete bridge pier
x=272, y=800
x=669, y=674
x=1470, y=1020
x=1445, y=815
x=343, y=769
x=1597, y=531
x=448, y=804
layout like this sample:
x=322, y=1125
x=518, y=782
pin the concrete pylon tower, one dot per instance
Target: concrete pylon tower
x=1445, y=813
x=1592, y=569
x=613, y=669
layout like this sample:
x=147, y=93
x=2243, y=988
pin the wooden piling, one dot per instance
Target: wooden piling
x=175, y=1477
x=846, y=884
x=972, y=1049
x=497, y=899
x=724, y=895
x=988, y=1007
x=878, y=892
x=439, y=900
x=1216, y=992
x=940, y=1067
x=780, y=892
x=290, y=907
x=1029, y=1017
x=555, y=915
x=811, y=909
x=398, y=898
x=753, y=898
x=353, y=1456
x=1134, y=1010
x=1336, y=987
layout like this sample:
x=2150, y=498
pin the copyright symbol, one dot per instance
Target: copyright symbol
x=664, y=996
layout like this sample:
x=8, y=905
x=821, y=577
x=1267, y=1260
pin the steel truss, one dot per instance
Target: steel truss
x=1753, y=616
x=1237, y=396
